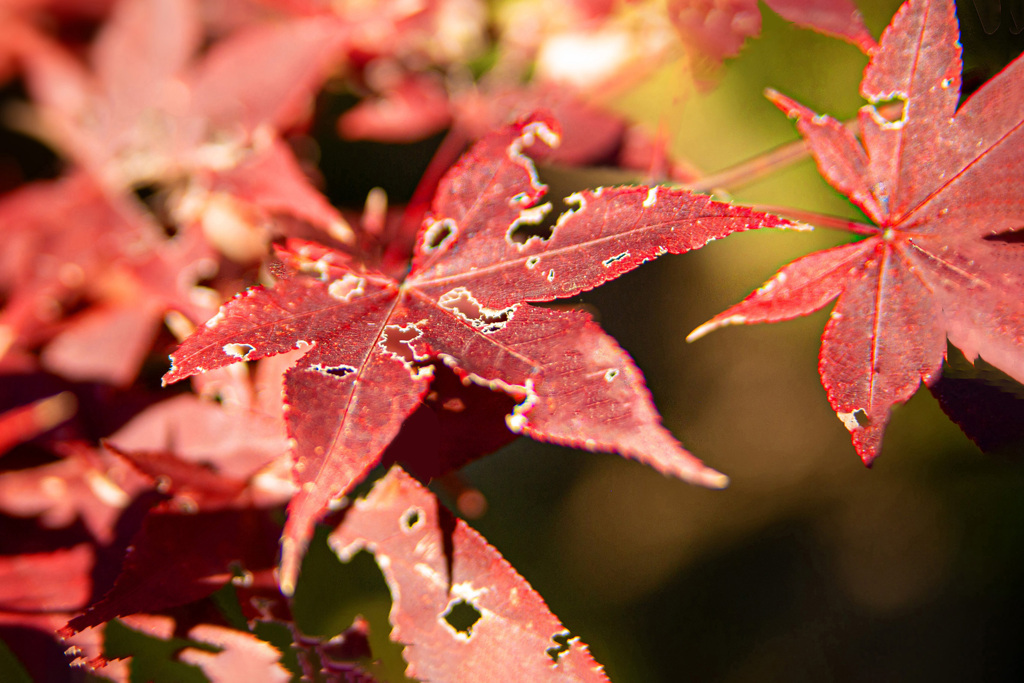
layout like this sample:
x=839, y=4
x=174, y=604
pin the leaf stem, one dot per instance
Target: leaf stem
x=819, y=219
x=776, y=159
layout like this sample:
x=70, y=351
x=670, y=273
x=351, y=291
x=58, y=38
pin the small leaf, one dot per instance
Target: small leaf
x=23, y=423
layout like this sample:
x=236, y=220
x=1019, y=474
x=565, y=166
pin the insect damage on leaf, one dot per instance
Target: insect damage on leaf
x=397, y=340
x=461, y=610
x=466, y=301
x=461, y=616
x=465, y=305
x=435, y=235
x=935, y=185
x=239, y=351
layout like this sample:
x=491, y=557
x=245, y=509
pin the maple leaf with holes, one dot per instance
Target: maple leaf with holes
x=465, y=302
x=943, y=258
x=460, y=609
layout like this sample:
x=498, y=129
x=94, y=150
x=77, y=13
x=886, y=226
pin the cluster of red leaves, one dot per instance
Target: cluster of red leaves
x=413, y=340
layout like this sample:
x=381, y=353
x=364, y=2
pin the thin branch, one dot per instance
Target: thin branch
x=776, y=159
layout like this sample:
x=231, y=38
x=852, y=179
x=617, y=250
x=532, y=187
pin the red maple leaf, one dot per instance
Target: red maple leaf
x=44, y=261
x=214, y=463
x=205, y=546
x=70, y=245
x=146, y=108
x=39, y=591
x=370, y=338
x=941, y=259
x=514, y=636
x=86, y=484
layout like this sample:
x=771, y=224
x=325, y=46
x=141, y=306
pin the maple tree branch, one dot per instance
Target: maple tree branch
x=745, y=172
x=752, y=169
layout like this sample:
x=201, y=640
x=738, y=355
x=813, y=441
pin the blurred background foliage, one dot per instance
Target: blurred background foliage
x=809, y=567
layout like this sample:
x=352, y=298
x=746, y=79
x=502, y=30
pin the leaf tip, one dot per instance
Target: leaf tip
x=288, y=572
x=50, y=412
x=789, y=106
x=865, y=432
x=171, y=376
x=698, y=333
x=542, y=125
x=714, y=324
x=713, y=479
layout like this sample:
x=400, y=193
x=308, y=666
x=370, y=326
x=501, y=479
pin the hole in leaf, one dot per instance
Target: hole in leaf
x=563, y=200
x=396, y=341
x=608, y=262
x=562, y=639
x=487, y=320
x=889, y=111
x=240, y=351
x=437, y=233
x=862, y=417
x=347, y=288
x=338, y=371
x=411, y=518
x=462, y=616
x=537, y=221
